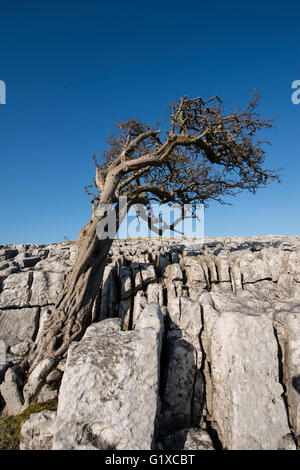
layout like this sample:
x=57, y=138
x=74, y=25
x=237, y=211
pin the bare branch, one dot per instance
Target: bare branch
x=206, y=154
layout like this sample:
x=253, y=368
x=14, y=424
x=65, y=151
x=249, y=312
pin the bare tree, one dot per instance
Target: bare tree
x=205, y=154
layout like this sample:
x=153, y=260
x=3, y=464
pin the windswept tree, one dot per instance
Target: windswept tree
x=205, y=154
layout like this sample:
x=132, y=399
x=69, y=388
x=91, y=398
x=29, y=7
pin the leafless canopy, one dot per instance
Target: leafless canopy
x=205, y=155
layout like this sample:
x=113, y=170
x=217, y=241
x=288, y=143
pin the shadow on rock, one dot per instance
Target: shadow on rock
x=296, y=383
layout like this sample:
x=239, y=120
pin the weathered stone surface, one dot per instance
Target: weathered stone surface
x=185, y=318
x=195, y=271
x=45, y=312
x=47, y=394
x=206, y=299
x=37, y=431
x=203, y=285
x=174, y=273
x=10, y=391
x=2, y=353
x=36, y=379
x=246, y=405
x=227, y=301
x=183, y=381
x=15, y=290
x=255, y=268
x=54, y=376
x=109, y=393
x=136, y=276
x=21, y=348
x=140, y=302
x=147, y=273
x=46, y=287
x=108, y=294
x=287, y=443
x=17, y=325
x=155, y=293
x=223, y=269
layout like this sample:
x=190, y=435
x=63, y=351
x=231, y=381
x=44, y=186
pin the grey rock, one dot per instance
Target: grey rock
x=46, y=287
x=2, y=353
x=140, y=302
x=18, y=325
x=45, y=312
x=36, y=379
x=174, y=273
x=183, y=381
x=61, y=365
x=47, y=394
x=21, y=348
x=147, y=273
x=108, y=294
x=287, y=443
x=103, y=403
x=37, y=431
x=125, y=279
x=255, y=278
x=206, y=299
x=223, y=269
x=136, y=276
x=15, y=290
x=228, y=301
x=195, y=271
x=155, y=293
x=245, y=403
x=10, y=391
x=256, y=268
x=54, y=376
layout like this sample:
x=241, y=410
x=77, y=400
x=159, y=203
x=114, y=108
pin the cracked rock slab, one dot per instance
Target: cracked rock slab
x=46, y=287
x=10, y=391
x=18, y=325
x=182, y=381
x=36, y=379
x=245, y=405
x=37, y=431
x=15, y=290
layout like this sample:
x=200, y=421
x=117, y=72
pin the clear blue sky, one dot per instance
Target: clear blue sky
x=72, y=68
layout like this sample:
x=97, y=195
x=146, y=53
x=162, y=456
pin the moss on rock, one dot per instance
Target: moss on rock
x=10, y=426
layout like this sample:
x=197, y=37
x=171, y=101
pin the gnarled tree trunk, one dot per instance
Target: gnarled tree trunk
x=78, y=302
